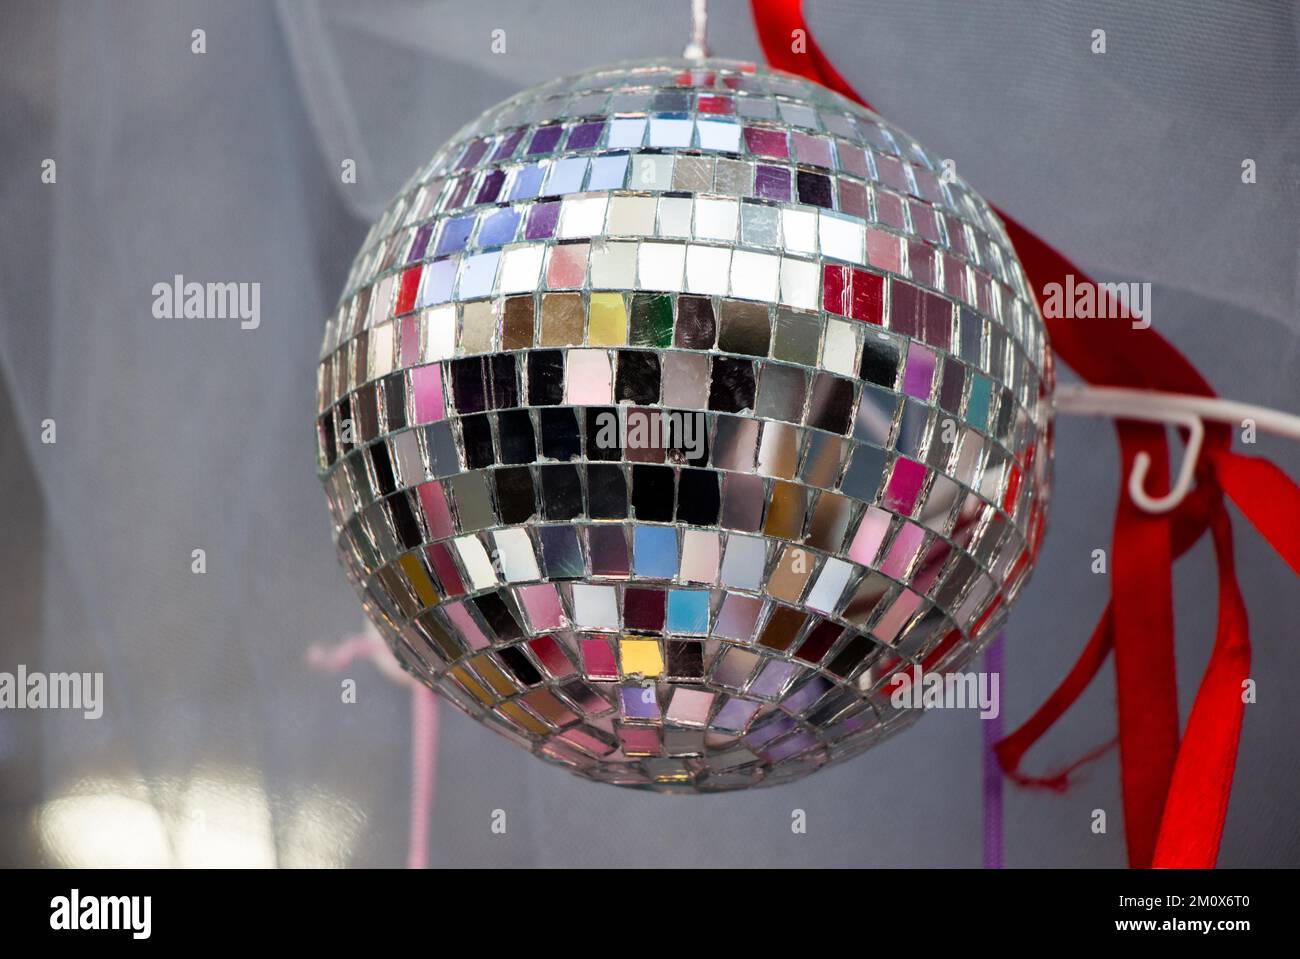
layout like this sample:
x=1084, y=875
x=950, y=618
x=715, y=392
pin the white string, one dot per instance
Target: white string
x=1175, y=409
x=698, y=48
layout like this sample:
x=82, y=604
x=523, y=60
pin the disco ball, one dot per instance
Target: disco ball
x=671, y=409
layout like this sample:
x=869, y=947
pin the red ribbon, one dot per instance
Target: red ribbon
x=1175, y=794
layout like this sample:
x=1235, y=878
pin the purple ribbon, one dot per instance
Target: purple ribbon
x=992, y=771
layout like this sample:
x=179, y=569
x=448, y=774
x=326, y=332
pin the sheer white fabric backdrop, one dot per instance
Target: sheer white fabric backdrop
x=218, y=743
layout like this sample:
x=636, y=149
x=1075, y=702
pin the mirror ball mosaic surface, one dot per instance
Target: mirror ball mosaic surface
x=671, y=409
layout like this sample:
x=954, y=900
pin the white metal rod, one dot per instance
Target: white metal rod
x=1174, y=409
x=1155, y=406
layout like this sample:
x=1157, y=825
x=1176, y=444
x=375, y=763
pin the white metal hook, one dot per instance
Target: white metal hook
x=1137, y=480
x=1175, y=409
